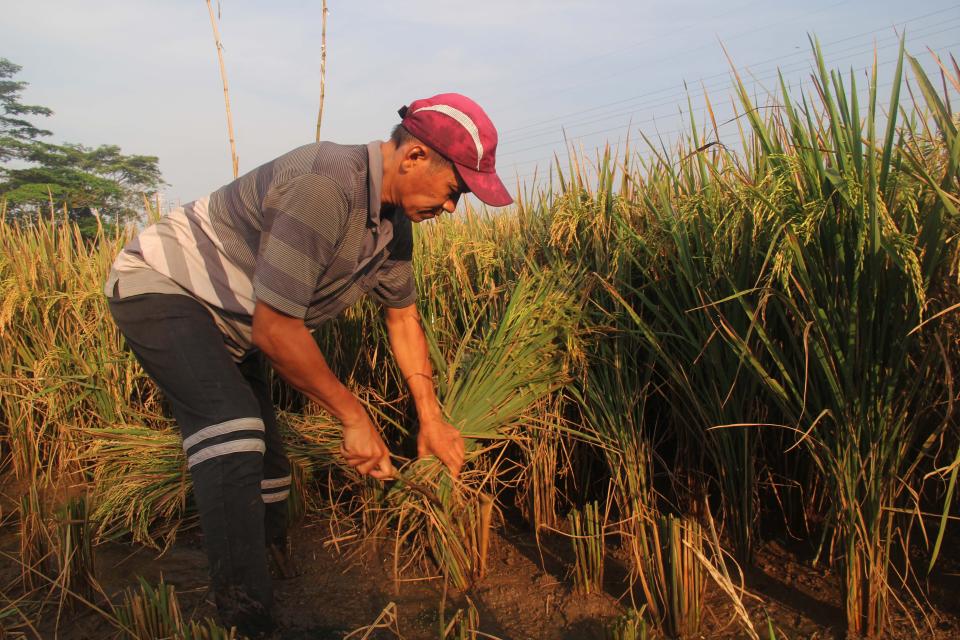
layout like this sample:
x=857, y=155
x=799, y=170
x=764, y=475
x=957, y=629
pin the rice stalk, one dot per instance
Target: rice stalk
x=540, y=493
x=386, y=620
x=154, y=612
x=36, y=542
x=630, y=626
x=75, y=553
x=859, y=385
x=495, y=374
x=589, y=547
x=675, y=574
x=464, y=624
x=140, y=483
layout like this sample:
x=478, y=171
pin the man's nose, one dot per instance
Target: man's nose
x=450, y=206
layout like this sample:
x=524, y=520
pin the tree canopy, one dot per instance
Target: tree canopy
x=85, y=181
x=16, y=133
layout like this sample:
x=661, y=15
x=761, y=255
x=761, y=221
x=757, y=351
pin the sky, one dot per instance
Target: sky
x=143, y=74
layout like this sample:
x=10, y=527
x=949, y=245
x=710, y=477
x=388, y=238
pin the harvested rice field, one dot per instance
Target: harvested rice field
x=707, y=391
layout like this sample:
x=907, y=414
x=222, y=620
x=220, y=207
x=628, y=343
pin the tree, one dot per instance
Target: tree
x=86, y=181
x=15, y=132
x=81, y=180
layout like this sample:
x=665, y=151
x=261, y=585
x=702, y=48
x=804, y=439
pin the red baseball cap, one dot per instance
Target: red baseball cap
x=456, y=127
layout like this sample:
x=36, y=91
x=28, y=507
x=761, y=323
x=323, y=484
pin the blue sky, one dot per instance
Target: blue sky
x=143, y=74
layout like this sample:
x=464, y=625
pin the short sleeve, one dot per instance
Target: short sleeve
x=395, y=286
x=303, y=221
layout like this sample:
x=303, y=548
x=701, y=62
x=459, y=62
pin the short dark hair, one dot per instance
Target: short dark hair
x=400, y=136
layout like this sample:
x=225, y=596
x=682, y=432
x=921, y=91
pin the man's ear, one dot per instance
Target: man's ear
x=413, y=155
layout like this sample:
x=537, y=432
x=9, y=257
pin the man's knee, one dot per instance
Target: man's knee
x=240, y=435
x=226, y=461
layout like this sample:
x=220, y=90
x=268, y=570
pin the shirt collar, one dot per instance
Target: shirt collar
x=374, y=181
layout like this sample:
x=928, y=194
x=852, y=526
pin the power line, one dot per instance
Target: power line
x=615, y=52
x=702, y=47
x=598, y=148
x=772, y=59
x=670, y=100
x=757, y=80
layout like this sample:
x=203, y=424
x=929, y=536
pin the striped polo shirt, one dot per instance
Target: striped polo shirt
x=303, y=233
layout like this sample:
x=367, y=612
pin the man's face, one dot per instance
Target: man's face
x=427, y=188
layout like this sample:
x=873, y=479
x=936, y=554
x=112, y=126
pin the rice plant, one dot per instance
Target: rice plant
x=683, y=289
x=589, y=547
x=75, y=556
x=496, y=373
x=56, y=561
x=464, y=624
x=140, y=482
x=630, y=626
x=693, y=318
x=851, y=286
x=61, y=361
x=154, y=612
x=615, y=408
x=669, y=563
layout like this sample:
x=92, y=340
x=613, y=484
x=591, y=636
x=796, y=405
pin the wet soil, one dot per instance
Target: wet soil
x=526, y=594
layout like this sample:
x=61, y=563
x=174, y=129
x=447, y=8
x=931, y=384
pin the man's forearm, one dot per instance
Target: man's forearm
x=295, y=356
x=409, y=346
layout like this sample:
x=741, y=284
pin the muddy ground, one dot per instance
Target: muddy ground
x=526, y=594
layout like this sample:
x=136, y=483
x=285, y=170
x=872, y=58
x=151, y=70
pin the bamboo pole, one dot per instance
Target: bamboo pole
x=226, y=91
x=323, y=66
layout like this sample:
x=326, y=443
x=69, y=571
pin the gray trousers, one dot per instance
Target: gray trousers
x=240, y=473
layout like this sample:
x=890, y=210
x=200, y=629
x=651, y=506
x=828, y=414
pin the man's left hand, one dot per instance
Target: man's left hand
x=440, y=438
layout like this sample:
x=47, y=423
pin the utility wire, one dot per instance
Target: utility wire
x=582, y=61
x=737, y=36
x=660, y=134
x=925, y=32
x=756, y=80
x=900, y=23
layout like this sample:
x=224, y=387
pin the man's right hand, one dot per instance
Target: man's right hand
x=364, y=450
x=295, y=356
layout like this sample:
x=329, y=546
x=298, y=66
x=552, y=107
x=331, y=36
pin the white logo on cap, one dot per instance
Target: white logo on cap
x=464, y=121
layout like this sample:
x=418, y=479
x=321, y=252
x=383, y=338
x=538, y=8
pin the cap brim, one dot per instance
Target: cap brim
x=486, y=186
